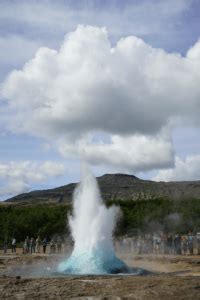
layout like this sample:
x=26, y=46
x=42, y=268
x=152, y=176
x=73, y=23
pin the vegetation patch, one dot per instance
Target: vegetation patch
x=137, y=217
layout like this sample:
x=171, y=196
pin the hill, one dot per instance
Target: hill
x=117, y=187
x=146, y=206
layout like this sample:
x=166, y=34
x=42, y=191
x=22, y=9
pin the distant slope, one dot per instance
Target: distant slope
x=117, y=186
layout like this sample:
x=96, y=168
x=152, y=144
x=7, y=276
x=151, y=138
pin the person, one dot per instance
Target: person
x=38, y=241
x=139, y=245
x=177, y=244
x=5, y=246
x=13, y=245
x=158, y=244
x=163, y=243
x=44, y=244
x=145, y=248
x=149, y=243
x=52, y=246
x=198, y=243
x=184, y=244
x=125, y=243
x=32, y=245
x=154, y=242
x=191, y=242
x=59, y=244
x=27, y=244
x=169, y=244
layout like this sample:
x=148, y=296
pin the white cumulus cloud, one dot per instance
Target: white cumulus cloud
x=127, y=154
x=88, y=85
x=131, y=92
x=185, y=169
x=18, y=176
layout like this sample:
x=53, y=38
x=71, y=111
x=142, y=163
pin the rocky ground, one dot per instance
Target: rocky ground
x=172, y=277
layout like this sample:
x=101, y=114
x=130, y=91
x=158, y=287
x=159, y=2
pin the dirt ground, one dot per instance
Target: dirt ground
x=172, y=277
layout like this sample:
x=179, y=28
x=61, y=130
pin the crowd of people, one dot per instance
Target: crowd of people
x=38, y=245
x=157, y=243
x=161, y=243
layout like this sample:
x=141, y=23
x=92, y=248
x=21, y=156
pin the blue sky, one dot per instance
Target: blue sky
x=98, y=109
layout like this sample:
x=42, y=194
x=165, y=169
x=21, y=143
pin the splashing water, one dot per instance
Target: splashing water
x=91, y=226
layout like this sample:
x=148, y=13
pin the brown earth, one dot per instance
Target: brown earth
x=173, y=277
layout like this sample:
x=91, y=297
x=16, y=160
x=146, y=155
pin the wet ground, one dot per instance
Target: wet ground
x=170, y=277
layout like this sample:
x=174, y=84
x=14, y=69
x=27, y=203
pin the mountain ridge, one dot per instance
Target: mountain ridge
x=117, y=186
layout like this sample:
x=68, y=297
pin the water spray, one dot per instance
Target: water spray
x=92, y=225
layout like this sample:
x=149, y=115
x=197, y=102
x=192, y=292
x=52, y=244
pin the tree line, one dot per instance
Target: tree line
x=137, y=217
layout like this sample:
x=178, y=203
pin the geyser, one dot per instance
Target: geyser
x=91, y=225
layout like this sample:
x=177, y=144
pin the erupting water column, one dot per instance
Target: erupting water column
x=91, y=226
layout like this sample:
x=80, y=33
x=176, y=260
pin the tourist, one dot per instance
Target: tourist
x=158, y=243
x=13, y=244
x=139, y=245
x=198, y=243
x=191, y=243
x=145, y=244
x=134, y=243
x=27, y=244
x=38, y=241
x=177, y=244
x=169, y=244
x=154, y=242
x=32, y=245
x=59, y=244
x=44, y=244
x=126, y=244
x=163, y=243
x=184, y=244
x=148, y=244
x=5, y=246
x=52, y=246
